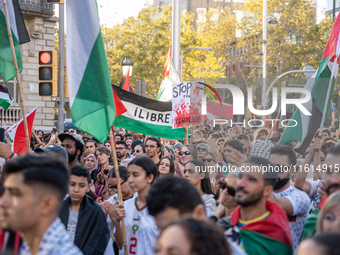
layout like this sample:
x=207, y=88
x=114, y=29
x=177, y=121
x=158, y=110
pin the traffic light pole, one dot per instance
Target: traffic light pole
x=61, y=103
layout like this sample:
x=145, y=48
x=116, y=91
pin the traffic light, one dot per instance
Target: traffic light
x=55, y=1
x=48, y=73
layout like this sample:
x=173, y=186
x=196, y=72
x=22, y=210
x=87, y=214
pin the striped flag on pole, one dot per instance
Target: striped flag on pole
x=19, y=35
x=91, y=99
x=319, y=84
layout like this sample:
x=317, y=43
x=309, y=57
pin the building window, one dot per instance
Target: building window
x=201, y=14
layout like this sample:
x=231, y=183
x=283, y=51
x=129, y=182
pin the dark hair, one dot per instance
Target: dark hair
x=79, y=146
x=159, y=144
x=43, y=134
x=326, y=130
x=79, y=170
x=205, y=182
x=328, y=145
x=92, y=141
x=335, y=151
x=128, y=136
x=140, y=144
x=135, y=143
x=147, y=164
x=329, y=243
x=121, y=137
x=234, y=144
x=122, y=143
x=44, y=170
x=171, y=191
x=192, y=150
x=123, y=173
x=172, y=164
x=204, y=237
x=284, y=150
x=269, y=177
x=105, y=150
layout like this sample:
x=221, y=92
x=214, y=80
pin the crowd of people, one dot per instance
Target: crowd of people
x=221, y=190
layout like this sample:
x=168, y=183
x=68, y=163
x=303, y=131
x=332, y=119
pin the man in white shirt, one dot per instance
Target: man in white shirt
x=293, y=201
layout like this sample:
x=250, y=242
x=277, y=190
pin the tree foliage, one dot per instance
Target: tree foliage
x=296, y=40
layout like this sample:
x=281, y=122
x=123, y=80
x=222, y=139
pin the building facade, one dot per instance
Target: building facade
x=198, y=7
x=40, y=25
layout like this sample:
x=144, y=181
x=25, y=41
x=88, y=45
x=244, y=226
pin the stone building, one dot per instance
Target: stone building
x=40, y=24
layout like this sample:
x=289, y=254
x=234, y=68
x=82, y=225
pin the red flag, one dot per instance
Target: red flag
x=124, y=84
x=16, y=133
x=119, y=106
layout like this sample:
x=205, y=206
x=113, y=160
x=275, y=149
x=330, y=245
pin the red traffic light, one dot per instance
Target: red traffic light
x=46, y=57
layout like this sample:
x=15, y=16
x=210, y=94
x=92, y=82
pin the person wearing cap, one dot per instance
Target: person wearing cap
x=74, y=145
x=53, y=150
x=275, y=138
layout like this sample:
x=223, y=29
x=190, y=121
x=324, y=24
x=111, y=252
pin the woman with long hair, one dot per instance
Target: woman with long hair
x=140, y=227
x=196, y=173
x=166, y=166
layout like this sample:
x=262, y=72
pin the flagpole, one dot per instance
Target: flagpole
x=328, y=92
x=17, y=75
x=120, y=196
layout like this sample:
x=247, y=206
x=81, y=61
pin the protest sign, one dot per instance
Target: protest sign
x=186, y=104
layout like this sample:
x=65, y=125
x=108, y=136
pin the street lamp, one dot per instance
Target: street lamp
x=273, y=21
x=191, y=48
x=126, y=64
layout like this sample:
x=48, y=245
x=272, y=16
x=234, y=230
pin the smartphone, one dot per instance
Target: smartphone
x=2, y=134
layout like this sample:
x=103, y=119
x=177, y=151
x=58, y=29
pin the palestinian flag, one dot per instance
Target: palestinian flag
x=5, y=98
x=90, y=93
x=170, y=77
x=309, y=228
x=146, y=116
x=16, y=133
x=19, y=35
x=268, y=236
x=318, y=85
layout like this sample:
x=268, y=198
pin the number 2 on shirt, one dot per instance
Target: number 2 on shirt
x=133, y=244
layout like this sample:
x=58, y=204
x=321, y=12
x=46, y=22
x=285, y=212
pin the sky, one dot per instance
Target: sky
x=112, y=12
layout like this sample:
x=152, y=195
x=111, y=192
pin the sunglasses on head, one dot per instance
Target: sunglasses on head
x=207, y=160
x=137, y=151
x=223, y=185
x=115, y=186
x=185, y=152
x=202, y=149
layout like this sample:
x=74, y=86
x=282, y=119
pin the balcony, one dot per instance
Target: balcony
x=10, y=117
x=36, y=7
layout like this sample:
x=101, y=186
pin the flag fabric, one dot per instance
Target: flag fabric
x=5, y=97
x=318, y=86
x=170, y=77
x=309, y=228
x=19, y=34
x=90, y=94
x=267, y=236
x=16, y=133
x=124, y=84
x=146, y=116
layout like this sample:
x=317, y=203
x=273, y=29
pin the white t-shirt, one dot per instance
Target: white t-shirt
x=141, y=229
x=301, y=204
x=209, y=204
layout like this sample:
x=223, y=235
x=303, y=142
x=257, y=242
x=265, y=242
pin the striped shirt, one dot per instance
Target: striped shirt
x=209, y=204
